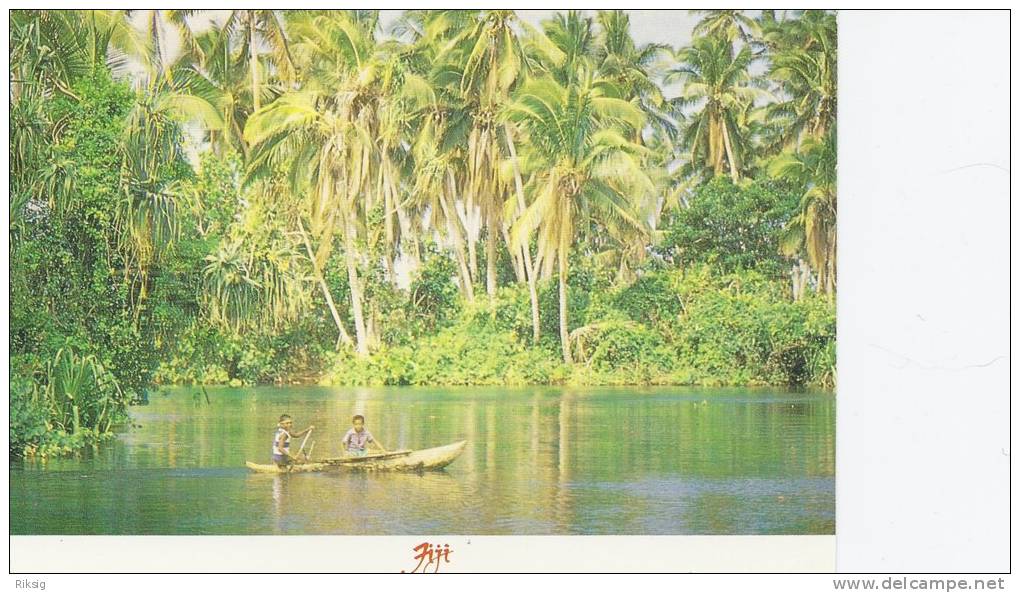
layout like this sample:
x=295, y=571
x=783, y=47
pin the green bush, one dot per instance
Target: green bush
x=432, y=299
x=64, y=404
x=739, y=329
x=732, y=227
x=214, y=355
x=467, y=353
x=651, y=299
x=669, y=327
x=28, y=428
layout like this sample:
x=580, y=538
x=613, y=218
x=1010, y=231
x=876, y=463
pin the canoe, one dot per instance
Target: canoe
x=421, y=460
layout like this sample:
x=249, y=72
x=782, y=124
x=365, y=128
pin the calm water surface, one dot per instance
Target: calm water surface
x=538, y=461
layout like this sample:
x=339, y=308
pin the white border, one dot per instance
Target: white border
x=393, y=554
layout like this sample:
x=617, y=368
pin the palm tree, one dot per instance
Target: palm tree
x=326, y=138
x=585, y=167
x=52, y=49
x=438, y=160
x=799, y=28
x=813, y=230
x=804, y=65
x=255, y=276
x=152, y=153
x=731, y=25
x=306, y=132
x=568, y=46
x=633, y=68
x=438, y=172
x=232, y=294
x=716, y=80
x=219, y=79
x=159, y=28
x=496, y=63
x=255, y=28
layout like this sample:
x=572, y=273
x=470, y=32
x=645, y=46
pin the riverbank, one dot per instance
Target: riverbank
x=668, y=328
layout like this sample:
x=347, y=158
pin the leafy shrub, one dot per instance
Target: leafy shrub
x=67, y=403
x=615, y=344
x=27, y=418
x=652, y=299
x=433, y=298
x=467, y=353
x=737, y=329
x=732, y=227
x=209, y=354
x=669, y=327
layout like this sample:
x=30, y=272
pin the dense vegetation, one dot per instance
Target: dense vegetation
x=273, y=196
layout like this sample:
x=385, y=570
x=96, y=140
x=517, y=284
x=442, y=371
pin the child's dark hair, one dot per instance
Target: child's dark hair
x=284, y=417
x=358, y=417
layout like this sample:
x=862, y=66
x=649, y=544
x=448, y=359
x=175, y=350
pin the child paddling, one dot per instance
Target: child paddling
x=281, y=440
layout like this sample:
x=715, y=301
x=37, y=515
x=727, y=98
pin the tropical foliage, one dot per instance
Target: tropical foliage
x=453, y=197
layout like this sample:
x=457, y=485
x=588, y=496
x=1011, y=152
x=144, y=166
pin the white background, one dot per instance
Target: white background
x=922, y=454
x=923, y=448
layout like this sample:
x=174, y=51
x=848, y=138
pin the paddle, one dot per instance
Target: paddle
x=302, y=448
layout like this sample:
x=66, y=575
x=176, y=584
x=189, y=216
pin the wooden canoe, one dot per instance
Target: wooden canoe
x=421, y=460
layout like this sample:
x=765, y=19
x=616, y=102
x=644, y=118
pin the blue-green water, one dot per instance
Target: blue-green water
x=538, y=461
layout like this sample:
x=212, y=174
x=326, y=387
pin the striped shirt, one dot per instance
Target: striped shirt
x=276, y=441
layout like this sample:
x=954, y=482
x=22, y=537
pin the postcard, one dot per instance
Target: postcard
x=403, y=288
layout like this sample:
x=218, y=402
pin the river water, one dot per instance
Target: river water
x=538, y=461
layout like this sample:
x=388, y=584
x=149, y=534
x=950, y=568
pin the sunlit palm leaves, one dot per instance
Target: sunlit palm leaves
x=219, y=80
x=51, y=49
x=151, y=146
x=571, y=45
x=731, y=25
x=715, y=81
x=813, y=230
x=804, y=64
x=635, y=68
x=252, y=29
x=586, y=167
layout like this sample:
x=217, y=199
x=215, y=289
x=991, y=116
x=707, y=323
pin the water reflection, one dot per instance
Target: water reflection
x=538, y=461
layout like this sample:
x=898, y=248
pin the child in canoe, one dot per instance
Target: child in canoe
x=357, y=439
x=281, y=440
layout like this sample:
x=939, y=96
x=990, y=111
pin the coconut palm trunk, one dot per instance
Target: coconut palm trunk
x=343, y=335
x=525, y=253
x=472, y=252
x=468, y=203
x=407, y=235
x=717, y=148
x=515, y=256
x=564, y=331
x=357, y=297
x=458, y=243
x=254, y=62
x=830, y=278
x=730, y=157
x=390, y=238
x=490, y=253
